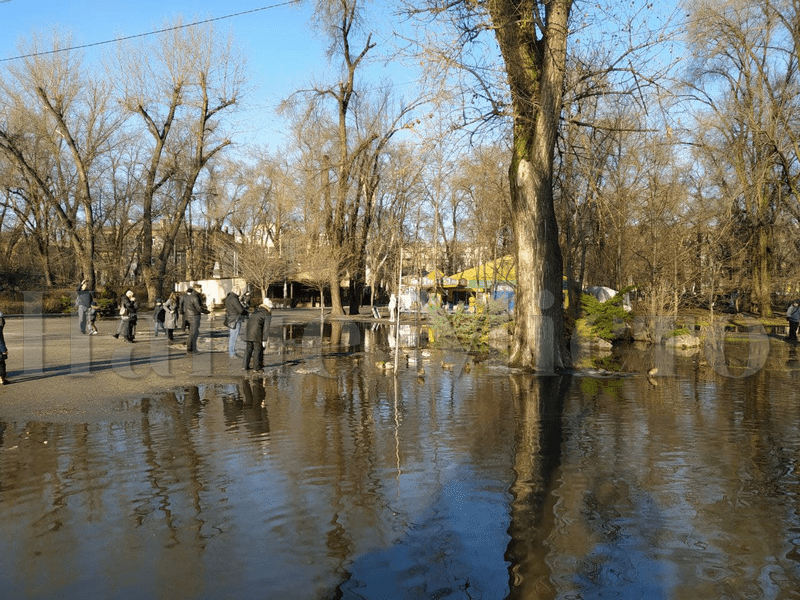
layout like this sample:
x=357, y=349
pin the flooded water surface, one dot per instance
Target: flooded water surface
x=333, y=478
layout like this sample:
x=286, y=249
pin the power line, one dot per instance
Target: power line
x=156, y=32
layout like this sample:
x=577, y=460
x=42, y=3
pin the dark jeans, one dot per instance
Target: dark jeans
x=793, y=329
x=194, y=333
x=259, y=354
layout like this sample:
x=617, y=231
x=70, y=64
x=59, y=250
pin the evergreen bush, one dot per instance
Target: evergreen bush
x=466, y=330
x=607, y=320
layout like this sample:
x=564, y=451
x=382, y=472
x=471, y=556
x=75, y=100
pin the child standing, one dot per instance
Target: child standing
x=158, y=317
x=93, y=318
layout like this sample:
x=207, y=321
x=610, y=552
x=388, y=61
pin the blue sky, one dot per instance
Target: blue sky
x=281, y=49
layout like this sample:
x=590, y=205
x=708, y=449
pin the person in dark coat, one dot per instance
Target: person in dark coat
x=3, y=352
x=171, y=317
x=127, y=311
x=192, y=308
x=133, y=319
x=256, y=335
x=83, y=301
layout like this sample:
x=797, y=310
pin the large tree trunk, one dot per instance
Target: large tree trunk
x=539, y=334
x=356, y=290
x=150, y=271
x=535, y=67
x=336, y=296
x=761, y=274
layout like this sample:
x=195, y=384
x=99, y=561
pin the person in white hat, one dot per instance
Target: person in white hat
x=83, y=301
x=127, y=310
x=192, y=308
x=256, y=335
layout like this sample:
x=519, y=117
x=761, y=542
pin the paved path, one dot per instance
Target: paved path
x=56, y=373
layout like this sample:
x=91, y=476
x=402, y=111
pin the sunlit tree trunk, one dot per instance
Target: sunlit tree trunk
x=534, y=50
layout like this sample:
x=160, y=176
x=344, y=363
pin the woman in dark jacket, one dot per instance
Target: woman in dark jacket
x=172, y=307
x=127, y=312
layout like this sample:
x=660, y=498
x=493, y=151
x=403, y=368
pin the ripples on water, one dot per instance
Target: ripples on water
x=456, y=485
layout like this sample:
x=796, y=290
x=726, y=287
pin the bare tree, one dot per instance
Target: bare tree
x=357, y=133
x=180, y=87
x=30, y=218
x=532, y=40
x=257, y=205
x=745, y=78
x=53, y=109
x=119, y=213
x=400, y=192
x=482, y=182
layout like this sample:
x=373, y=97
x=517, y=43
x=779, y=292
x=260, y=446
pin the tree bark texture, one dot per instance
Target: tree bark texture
x=533, y=41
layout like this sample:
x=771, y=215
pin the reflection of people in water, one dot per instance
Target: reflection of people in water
x=254, y=408
x=192, y=395
x=254, y=393
x=792, y=363
x=791, y=359
x=247, y=391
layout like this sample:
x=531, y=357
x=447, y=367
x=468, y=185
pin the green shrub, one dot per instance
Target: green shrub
x=608, y=320
x=106, y=306
x=678, y=332
x=11, y=303
x=463, y=329
x=57, y=302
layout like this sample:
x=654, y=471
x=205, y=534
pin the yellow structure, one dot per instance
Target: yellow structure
x=501, y=271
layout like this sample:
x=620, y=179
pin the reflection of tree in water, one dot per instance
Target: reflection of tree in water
x=538, y=440
x=592, y=386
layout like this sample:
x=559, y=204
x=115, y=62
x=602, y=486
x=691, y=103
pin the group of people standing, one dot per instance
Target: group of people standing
x=184, y=311
x=179, y=311
x=255, y=325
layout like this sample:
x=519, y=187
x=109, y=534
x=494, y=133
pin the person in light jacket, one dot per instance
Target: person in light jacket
x=793, y=314
x=171, y=309
x=235, y=314
x=83, y=301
